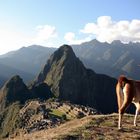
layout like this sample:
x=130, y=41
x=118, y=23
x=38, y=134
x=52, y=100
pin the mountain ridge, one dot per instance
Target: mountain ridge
x=110, y=59
x=102, y=58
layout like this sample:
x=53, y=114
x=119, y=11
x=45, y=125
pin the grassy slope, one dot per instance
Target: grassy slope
x=9, y=120
x=91, y=127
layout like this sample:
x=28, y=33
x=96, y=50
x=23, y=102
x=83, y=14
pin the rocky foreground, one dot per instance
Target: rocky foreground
x=92, y=127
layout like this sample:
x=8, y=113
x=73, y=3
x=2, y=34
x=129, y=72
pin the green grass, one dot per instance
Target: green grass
x=9, y=120
x=60, y=114
x=56, y=112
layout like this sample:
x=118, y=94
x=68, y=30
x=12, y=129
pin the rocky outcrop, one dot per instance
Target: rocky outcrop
x=41, y=91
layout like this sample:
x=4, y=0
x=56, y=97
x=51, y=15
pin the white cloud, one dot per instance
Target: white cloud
x=70, y=38
x=45, y=32
x=45, y=35
x=105, y=29
x=104, y=21
x=89, y=28
x=13, y=39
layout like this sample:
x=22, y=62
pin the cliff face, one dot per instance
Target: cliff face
x=69, y=80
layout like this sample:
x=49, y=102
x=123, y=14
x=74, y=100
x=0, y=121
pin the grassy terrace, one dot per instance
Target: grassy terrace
x=61, y=114
x=56, y=112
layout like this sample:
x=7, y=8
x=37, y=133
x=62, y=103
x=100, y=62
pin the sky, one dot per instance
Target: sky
x=52, y=23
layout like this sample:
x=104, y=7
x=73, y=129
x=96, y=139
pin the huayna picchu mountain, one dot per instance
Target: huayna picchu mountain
x=69, y=80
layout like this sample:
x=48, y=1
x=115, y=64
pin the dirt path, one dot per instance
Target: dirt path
x=90, y=128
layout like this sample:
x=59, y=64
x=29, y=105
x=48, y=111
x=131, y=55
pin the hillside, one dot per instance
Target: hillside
x=91, y=128
x=111, y=59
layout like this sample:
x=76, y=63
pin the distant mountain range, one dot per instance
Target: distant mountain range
x=7, y=72
x=25, y=62
x=110, y=59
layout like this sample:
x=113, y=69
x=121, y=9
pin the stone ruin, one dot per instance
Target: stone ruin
x=36, y=115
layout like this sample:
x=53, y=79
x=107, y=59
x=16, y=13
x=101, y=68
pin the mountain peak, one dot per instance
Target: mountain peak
x=116, y=42
x=14, y=80
x=95, y=41
x=62, y=61
x=13, y=90
x=64, y=50
x=92, y=42
x=15, y=83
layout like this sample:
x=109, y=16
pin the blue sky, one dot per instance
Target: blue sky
x=55, y=22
